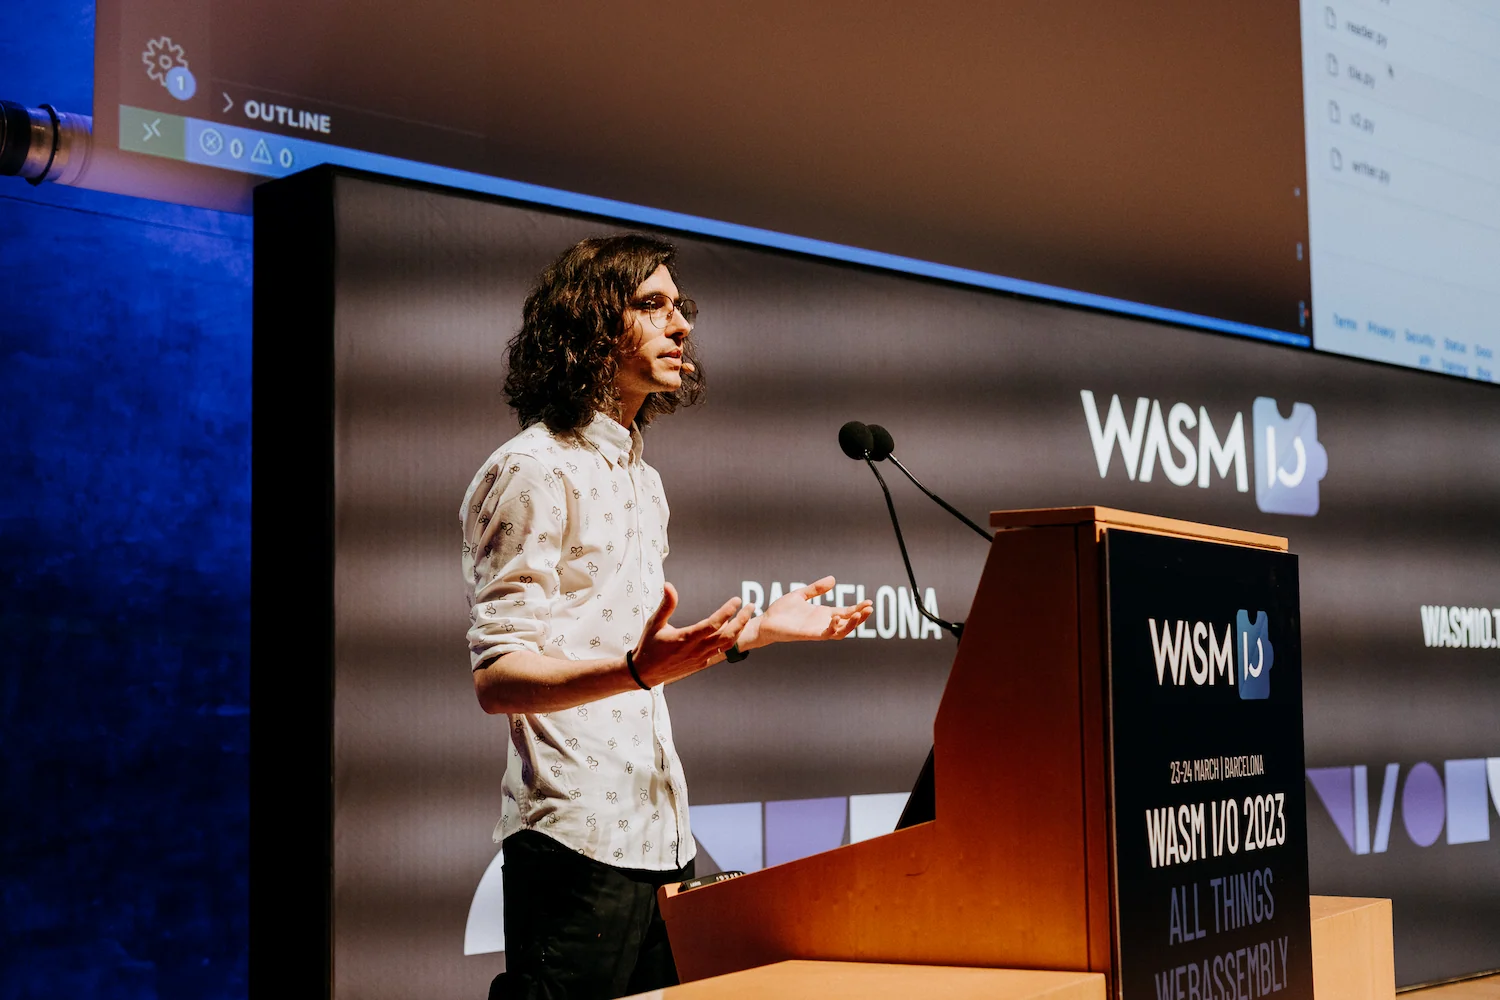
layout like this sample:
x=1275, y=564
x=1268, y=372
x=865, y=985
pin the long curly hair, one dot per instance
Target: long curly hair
x=564, y=358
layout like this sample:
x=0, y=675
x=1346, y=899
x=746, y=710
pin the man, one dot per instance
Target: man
x=565, y=534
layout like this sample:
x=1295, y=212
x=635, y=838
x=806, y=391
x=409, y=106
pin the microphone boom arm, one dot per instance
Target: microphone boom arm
x=937, y=499
x=955, y=628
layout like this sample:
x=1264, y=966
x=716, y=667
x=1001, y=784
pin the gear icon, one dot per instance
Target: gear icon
x=161, y=57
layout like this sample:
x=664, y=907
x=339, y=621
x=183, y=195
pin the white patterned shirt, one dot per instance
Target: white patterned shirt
x=563, y=542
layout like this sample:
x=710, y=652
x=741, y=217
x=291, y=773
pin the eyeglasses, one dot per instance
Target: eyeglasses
x=660, y=309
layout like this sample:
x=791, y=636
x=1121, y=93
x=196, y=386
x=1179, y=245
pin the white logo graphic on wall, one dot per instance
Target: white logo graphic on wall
x=1290, y=462
x=896, y=615
x=1460, y=628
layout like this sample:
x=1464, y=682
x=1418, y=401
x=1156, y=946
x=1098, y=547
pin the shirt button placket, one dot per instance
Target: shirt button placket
x=634, y=521
x=664, y=764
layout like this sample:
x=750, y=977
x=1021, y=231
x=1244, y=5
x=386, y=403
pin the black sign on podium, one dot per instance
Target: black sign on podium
x=1205, y=681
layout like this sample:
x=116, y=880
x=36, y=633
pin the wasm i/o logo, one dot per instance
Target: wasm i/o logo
x=1289, y=460
x=1256, y=655
x=1199, y=653
x=1289, y=464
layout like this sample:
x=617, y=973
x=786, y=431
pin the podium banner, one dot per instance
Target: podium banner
x=1205, y=677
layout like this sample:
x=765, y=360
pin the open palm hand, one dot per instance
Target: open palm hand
x=794, y=618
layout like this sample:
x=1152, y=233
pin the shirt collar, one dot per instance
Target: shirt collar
x=615, y=443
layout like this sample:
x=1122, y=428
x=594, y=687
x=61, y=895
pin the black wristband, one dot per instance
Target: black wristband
x=733, y=654
x=630, y=665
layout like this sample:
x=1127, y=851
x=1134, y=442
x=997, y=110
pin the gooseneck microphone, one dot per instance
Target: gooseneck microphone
x=858, y=442
x=882, y=448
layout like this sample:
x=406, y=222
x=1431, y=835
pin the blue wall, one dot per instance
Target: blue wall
x=124, y=521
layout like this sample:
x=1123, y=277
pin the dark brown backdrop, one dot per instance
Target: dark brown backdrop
x=982, y=393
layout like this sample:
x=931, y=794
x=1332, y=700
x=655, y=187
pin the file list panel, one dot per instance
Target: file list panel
x=1403, y=148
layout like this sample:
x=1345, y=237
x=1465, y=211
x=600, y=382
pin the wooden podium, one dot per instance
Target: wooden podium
x=1018, y=870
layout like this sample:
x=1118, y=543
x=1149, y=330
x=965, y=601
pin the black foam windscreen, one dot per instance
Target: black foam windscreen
x=855, y=439
x=883, y=443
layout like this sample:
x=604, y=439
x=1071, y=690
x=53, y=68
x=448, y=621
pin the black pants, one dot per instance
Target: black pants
x=577, y=929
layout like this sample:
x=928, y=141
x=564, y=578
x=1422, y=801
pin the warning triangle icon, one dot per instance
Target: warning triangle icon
x=262, y=153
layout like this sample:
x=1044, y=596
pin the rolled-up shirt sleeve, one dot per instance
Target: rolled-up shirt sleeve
x=513, y=528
